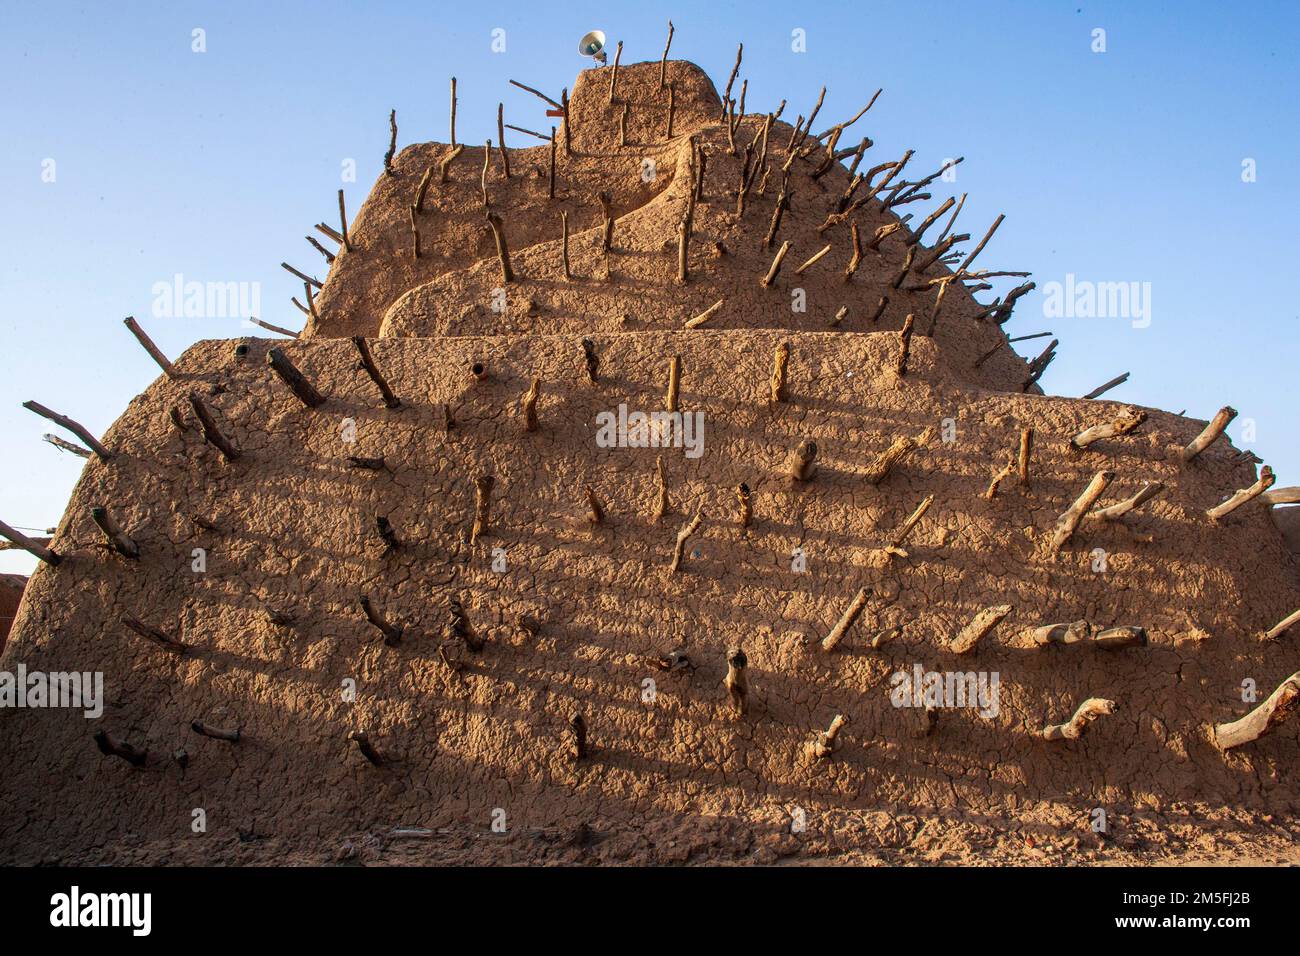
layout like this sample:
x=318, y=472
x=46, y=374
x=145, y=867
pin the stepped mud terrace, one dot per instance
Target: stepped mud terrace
x=393, y=601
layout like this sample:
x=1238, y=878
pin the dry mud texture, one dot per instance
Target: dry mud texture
x=11, y=594
x=289, y=529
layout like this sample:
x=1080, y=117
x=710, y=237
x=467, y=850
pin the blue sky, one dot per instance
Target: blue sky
x=1118, y=166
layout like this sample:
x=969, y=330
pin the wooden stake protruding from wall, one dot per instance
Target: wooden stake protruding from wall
x=110, y=746
x=674, y=383
x=663, y=61
x=780, y=363
x=591, y=360
x=1087, y=712
x=216, y=733
x=1211, y=432
x=1022, y=457
x=736, y=681
x=846, y=621
x=453, y=112
x=1071, y=517
x=772, y=271
x=904, y=345
x=392, y=632
x=1280, y=705
x=212, y=433
x=384, y=528
x=660, y=507
x=899, y=449
x=34, y=548
x=1281, y=626
x=528, y=404
x=1129, y=420
x=482, y=506
x=291, y=376
x=444, y=167
x=501, y=139
x=368, y=363
x=1240, y=497
x=118, y=538
x=578, y=730
x=63, y=421
x=978, y=628
x=613, y=77
x=595, y=507
x=392, y=143
x=503, y=252
x=343, y=223
x=826, y=743
x=1149, y=490
x=155, y=353
x=362, y=740
x=746, y=506
x=153, y=634
x=679, y=547
x=801, y=464
x=415, y=233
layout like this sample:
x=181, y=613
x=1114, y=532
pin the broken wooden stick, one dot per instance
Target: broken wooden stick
x=979, y=626
x=1148, y=491
x=672, y=108
x=63, y=421
x=663, y=60
x=802, y=461
x=591, y=360
x=1280, y=705
x=368, y=363
x=155, y=353
x=482, y=506
x=780, y=363
x=767, y=280
x=119, y=540
x=1211, y=431
x=846, y=621
x=68, y=446
x=1240, y=497
x=503, y=253
x=110, y=746
x=212, y=434
x=1274, y=496
x=1116, y=638
x=1070, y=633
x=736, y=682
x=153, y=634
x=392, y=143
x=679, y=547
x=501, y=140
x=415, y=234
x=291, y=376
x=1087, y=712
x=1130, y=419
x=896, y=452
x=392, y=632
x=34, y=548
x=1070, y=518
x=816, y=258
x=216, y=733
x=856, y=259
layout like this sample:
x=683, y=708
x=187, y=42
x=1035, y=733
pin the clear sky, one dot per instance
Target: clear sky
x=1117, y=166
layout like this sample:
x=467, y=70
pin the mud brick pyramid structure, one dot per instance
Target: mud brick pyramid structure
x=430, y=599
